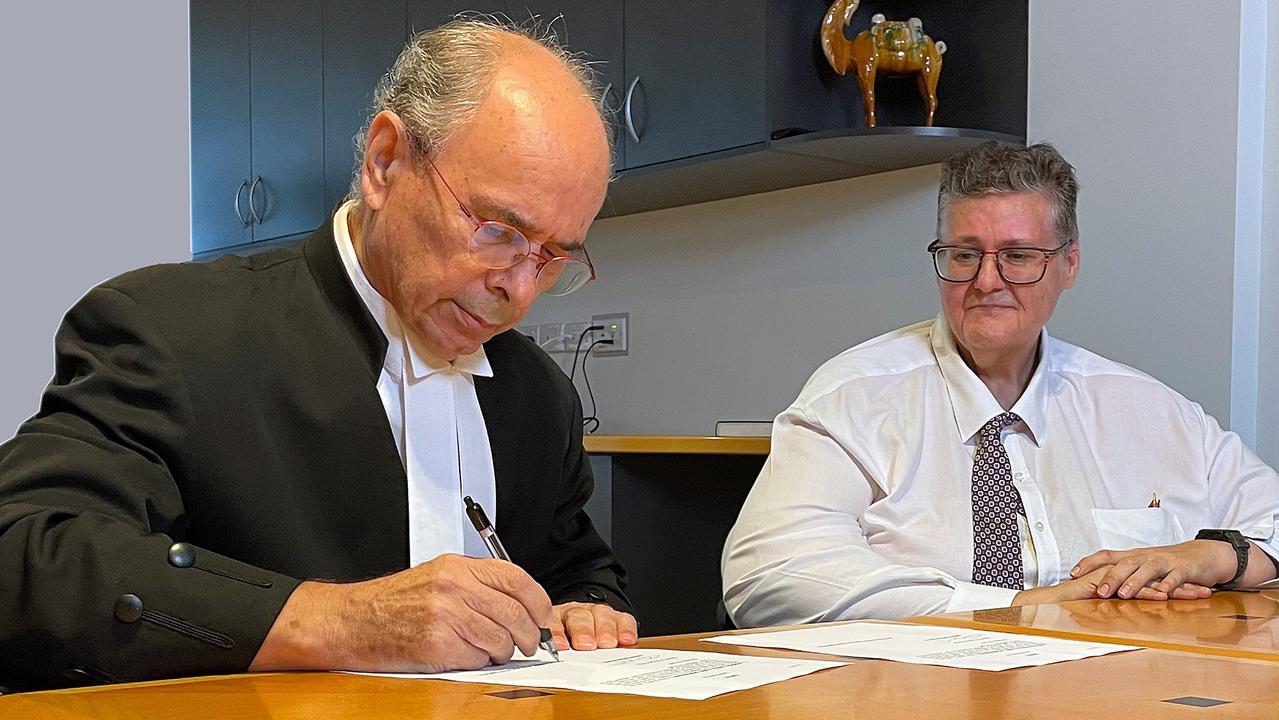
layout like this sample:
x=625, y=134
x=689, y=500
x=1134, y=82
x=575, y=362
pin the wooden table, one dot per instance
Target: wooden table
x=1128, y=685
x=1229, y=624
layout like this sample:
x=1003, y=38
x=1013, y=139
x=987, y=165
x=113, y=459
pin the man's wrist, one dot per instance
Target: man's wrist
x=302, y=637
x=1230, y=555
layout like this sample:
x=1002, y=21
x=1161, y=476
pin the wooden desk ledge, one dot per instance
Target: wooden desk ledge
x=675, y=445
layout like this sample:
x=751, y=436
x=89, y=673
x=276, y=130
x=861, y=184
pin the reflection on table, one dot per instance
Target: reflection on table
x=1238, y=624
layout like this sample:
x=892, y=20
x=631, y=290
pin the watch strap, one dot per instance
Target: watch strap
x=1240, y=545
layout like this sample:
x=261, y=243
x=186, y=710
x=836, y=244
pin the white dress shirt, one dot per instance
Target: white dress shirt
x=863, y=508
x=436, y=420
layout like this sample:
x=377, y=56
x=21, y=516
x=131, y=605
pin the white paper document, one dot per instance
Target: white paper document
x=656, y=673
x=926, y=645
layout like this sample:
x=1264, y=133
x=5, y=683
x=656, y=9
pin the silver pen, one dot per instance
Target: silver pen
x=497, y=550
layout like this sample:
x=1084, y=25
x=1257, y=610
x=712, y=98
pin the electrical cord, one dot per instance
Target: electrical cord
x=591, y=421
x=573, y=371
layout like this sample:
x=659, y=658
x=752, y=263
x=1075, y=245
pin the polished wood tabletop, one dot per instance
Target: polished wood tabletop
x=1135, y=684
x=1241, y=624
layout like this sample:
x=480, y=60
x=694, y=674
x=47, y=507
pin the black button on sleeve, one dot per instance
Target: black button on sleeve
x=181, y=555
x=128, y=608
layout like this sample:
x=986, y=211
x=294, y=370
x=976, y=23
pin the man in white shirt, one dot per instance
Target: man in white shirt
x=974, y=461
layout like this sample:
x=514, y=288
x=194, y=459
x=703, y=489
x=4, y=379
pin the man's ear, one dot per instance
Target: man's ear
x=386, y=150
x=1072, y=264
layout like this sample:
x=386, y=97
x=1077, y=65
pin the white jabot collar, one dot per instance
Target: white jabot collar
x=421, y=362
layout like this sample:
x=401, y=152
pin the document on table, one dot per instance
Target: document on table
x=926, y=645
x=656, y=673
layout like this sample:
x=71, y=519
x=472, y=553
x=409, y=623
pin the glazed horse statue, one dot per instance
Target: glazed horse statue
x=893, y=47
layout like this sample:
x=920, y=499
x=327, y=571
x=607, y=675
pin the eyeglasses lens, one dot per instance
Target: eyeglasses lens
x=1018, y=266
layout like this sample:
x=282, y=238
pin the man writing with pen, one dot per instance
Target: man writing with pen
x=260, y=463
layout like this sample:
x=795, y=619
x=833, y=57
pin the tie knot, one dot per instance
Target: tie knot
x=997, y=423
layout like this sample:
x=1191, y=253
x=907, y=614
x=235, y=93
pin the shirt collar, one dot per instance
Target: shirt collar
x=420, y=362
x=972, y=402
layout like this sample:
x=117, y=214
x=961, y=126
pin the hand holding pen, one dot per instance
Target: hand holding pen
x=498, y=551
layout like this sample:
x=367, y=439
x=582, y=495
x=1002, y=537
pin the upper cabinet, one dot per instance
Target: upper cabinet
x=695, y=79
x=257, y=124
x=708, y=99
x=798, y=121
x=361, y=42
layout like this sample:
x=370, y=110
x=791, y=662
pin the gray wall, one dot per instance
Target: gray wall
x=1152, y=134
x=734, y=303
x=97, y=169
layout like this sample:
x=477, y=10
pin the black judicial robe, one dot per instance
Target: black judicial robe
x=233, y=407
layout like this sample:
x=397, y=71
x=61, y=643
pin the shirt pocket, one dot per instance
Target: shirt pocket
x=1145, y=527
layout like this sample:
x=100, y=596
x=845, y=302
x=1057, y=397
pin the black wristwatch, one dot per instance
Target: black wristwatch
x=1239, y=543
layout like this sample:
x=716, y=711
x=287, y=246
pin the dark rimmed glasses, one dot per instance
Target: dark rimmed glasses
x=1016, y=265
x=499, y=246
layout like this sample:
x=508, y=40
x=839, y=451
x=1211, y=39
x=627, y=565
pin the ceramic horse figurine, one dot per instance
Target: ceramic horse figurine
x=894, y=47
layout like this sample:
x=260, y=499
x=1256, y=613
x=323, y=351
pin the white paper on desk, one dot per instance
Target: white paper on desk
x=926, y=645
x=655, y=673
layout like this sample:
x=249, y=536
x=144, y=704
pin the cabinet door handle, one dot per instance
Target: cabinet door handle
x=244, y=222
x=626, y=113
x=253, y=206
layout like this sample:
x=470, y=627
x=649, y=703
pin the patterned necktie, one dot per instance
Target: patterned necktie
x=996, y=505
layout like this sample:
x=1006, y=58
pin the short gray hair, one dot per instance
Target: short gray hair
x=439, y=80
x=995, y=167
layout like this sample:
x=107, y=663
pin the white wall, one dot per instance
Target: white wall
x=1268, y=366
x=1152, y=135
x=734, y=303
x=97, y=170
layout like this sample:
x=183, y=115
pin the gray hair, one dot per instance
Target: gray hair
x=995, y=167
x=439, y=80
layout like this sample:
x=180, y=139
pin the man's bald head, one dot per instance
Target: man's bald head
x=441, y=78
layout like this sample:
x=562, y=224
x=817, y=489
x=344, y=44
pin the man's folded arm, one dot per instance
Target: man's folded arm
x=798, y=554
x=89, y=509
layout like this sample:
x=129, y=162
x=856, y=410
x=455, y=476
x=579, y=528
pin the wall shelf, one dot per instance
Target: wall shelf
x=788, y=162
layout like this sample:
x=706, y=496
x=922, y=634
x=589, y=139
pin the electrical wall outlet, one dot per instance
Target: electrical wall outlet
x=576, y=336
x=550, y=337
x=616, y=328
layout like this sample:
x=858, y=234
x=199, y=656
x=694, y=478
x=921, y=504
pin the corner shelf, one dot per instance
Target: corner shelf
x=787, y=162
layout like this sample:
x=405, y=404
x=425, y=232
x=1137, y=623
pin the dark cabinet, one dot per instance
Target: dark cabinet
x=709, y=100
x=257, y=124
x=288, y=117
x=361, y=42
x=220, y=160
x=694, y=79
x=680, y=79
